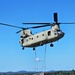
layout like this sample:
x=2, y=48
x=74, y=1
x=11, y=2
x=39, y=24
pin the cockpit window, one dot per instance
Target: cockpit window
x=58, y=30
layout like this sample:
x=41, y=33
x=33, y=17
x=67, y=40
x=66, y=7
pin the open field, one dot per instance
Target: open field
x=72, y=72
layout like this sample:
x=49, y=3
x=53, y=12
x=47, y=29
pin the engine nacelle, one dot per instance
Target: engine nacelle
x=25, y=33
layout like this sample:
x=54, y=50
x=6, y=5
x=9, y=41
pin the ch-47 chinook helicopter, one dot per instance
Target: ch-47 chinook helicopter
x=34, y=40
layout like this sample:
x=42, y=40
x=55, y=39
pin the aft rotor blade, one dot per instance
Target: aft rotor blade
x=34, y=27
x=10, y=25
x=36, y=23
x=18, y=31
x=40, y=26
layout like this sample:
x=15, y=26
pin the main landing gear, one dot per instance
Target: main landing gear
x=22, y=48
x=51, y=45
x=33, y=48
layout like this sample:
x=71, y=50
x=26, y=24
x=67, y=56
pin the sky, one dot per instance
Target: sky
x=15, y=12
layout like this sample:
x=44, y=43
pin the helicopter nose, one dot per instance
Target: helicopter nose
x=62, y=34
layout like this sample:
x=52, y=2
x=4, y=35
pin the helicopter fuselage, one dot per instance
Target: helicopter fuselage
x=42, y=38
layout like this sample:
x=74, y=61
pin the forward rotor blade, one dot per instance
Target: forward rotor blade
x=67, y=23
x=55, y=18
x=36, y=23
x=10, y=25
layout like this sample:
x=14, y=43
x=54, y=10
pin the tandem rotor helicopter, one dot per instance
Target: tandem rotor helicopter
x=27, y=39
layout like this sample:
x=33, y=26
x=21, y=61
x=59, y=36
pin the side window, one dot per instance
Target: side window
x=49, y=33
x=32, y=38
x=26, y=40
x=37, y=36
x=42, y=34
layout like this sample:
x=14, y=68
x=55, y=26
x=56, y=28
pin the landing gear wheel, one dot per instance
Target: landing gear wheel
x=51, y=45
x=33, y=48
x=22, y=48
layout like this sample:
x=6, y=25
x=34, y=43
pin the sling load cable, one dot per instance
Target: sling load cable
x=44, y=60
x=37, y=60
x=36, y=67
